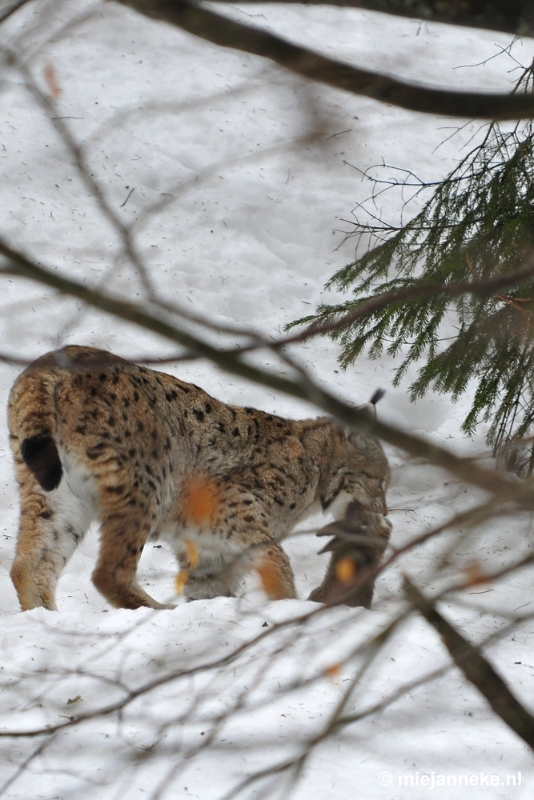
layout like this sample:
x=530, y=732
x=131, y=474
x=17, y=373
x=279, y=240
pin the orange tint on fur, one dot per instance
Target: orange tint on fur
x=345, y=570
x=270, y=579
x=200, y=502
x=180, y=582
x=192, y=553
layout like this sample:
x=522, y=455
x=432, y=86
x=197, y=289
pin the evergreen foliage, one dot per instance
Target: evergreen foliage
x=477, y=224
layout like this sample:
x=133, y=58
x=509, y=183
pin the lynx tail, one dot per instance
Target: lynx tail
x=32, y=420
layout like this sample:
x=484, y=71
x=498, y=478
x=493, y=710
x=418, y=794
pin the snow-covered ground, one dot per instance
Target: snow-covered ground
x=236, y=180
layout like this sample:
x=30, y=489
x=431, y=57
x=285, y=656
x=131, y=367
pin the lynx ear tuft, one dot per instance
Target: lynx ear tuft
x=377, y=395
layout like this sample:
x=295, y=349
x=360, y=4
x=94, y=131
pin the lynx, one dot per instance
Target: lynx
x=97, y=437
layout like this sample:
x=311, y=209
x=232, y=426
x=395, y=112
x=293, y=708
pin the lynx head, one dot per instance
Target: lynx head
x=360, y=470
x=356, y=496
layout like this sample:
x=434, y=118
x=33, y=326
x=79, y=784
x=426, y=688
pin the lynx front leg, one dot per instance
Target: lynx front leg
x=232, y=535
x=276, y=574
x=212, y=574
x=221, y=575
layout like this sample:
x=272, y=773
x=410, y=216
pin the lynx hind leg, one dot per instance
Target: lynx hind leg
x=50, y=530
x=358, y=545
x=125, y=525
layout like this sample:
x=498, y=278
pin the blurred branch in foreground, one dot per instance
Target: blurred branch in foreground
x=475, y=667
x=500, y=15
x=213, y=27
x=303, y=388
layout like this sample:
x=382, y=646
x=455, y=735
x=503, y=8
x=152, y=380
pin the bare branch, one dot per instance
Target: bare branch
x=499, y=15
x=220, y=30
x=303, y=388
x=10, y=10
x=476, y=668
x=91, y=183
x=21, y=769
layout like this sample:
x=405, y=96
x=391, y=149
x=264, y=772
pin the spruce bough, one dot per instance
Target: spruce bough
x=477, y=224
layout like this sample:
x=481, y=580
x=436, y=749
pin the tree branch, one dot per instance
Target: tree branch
x=507, y=16
x=213, y=27
x=10, y=10
x=303, y=388
x=484, y=288
x=476, y=668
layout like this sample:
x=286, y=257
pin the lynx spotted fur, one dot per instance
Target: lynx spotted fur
x=145, y=454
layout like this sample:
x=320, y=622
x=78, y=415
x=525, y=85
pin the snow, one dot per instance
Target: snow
x=241, y=188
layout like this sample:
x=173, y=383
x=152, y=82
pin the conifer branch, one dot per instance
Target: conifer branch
x=481, y=288
x=475, y=230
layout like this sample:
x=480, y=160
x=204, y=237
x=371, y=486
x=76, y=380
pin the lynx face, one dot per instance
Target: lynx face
x=145, y=454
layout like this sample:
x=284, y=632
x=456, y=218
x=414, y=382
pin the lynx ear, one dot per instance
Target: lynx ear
x=370, y=407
